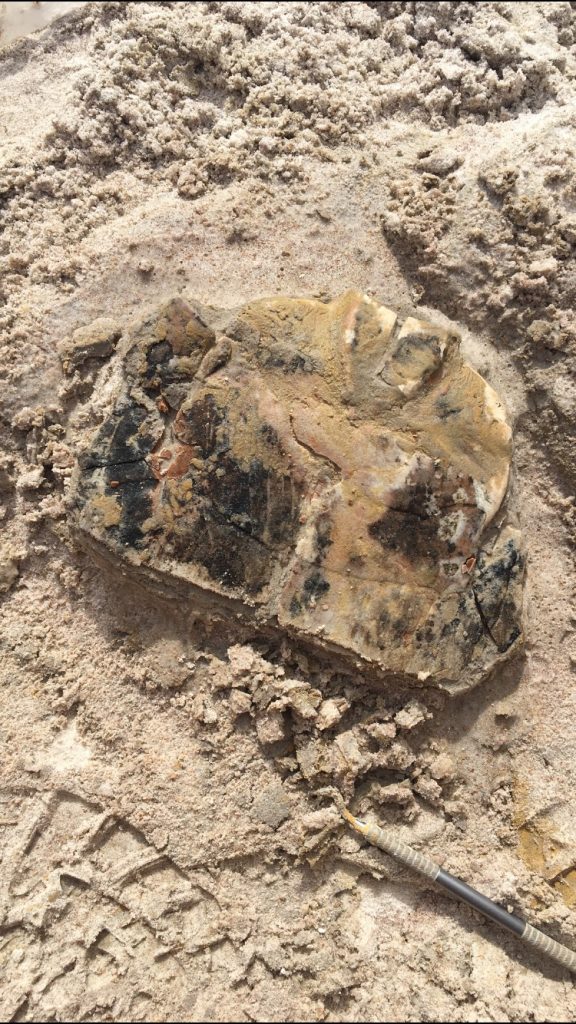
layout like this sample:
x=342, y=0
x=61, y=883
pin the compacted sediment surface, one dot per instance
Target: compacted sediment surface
x=166, y=852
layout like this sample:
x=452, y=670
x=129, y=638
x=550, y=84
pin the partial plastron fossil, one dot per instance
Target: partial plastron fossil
x=318, y=469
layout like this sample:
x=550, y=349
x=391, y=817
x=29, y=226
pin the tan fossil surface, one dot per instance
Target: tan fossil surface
x=319, y=468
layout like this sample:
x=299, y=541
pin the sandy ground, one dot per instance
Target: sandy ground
x=19, y=19
x=163, y=853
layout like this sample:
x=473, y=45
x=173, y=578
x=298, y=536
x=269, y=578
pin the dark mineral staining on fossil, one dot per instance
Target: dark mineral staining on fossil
x=318, y=469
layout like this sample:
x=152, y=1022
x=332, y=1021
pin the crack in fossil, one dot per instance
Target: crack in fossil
x=112, y=465
x=312, y=451
x=484, y=620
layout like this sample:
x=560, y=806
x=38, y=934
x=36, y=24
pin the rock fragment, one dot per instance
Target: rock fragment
x=331, y=712
x=272, y=805
x=95, y=341
x=412, y=715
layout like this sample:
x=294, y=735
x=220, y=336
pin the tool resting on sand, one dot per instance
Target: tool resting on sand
x=386, y=841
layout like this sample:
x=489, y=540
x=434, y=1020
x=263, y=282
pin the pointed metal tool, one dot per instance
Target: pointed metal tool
x=386, y=841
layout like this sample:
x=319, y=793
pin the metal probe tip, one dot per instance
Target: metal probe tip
x=357, y=825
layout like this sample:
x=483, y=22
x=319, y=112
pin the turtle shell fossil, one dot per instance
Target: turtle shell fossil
x=319, y=469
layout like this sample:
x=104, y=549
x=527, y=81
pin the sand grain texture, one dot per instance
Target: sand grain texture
x=163, y=856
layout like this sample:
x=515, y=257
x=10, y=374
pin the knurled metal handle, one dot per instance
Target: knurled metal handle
x=412, y=858
x=553, y=949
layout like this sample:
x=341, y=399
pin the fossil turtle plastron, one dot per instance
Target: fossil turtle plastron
x=320, y=469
